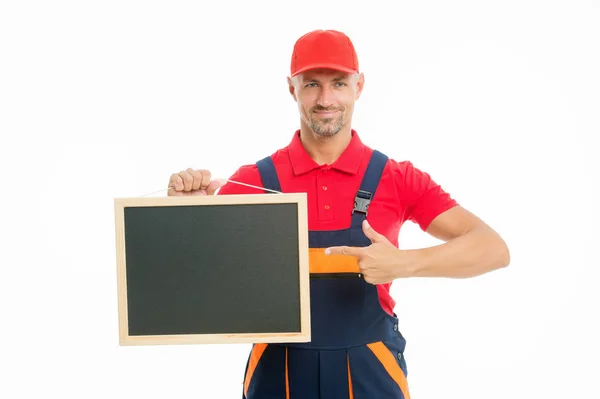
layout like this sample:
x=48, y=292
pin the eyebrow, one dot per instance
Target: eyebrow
x=336, y=79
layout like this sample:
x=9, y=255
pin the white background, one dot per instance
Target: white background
x=498, y=101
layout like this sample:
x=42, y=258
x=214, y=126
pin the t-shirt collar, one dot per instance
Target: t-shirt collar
x=348, y=162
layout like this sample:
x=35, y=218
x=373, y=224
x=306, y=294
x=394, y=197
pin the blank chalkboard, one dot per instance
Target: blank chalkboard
x=212, y=269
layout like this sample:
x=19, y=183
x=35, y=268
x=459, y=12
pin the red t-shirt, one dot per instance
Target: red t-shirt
x=404, y=192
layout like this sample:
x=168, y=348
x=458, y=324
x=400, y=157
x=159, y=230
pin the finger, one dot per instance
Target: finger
x=344, y=250
x=366, y=269
x=173, y=193
x=213, y=186
x=362, y=267
x=206, y=176
x=371, y=234
x=367, y=272
x=176, y=182
x=369, y=279
x=188, y=180
x=196, y=178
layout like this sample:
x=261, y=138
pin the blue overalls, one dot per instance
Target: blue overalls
x=356, y=349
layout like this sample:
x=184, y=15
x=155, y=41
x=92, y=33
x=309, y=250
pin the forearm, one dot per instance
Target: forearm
x=479, y=251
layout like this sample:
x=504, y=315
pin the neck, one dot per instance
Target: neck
x=325, y=150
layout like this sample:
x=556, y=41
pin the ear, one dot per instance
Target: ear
x=360, y=84
x=292, y=88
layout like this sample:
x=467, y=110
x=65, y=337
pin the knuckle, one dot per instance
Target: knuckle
x=175, y=181
x=205, y=178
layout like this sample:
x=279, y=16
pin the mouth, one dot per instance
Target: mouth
x=326, y=114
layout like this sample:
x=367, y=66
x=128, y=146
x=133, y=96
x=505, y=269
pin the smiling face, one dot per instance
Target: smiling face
x=326, y=99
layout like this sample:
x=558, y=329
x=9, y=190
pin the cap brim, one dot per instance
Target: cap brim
x=335, y=67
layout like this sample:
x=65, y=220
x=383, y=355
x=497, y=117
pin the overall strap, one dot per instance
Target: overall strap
x=364, y=196
x=268, y=174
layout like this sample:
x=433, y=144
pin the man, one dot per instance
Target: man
x=358, y=199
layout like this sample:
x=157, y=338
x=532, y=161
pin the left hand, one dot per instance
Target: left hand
x=381, y=262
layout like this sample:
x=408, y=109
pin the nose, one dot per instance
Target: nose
x=326, y=96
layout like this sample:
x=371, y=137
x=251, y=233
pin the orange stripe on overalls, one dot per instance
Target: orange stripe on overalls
x=319, y=263
x=351, y=396
x=257, y=352
x=388, y=361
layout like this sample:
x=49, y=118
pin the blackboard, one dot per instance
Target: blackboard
x=212, y=269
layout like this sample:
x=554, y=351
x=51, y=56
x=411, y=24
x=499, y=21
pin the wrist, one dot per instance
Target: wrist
x=412, y=262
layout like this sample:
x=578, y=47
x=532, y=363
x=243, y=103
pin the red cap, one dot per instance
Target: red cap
x=324, y=49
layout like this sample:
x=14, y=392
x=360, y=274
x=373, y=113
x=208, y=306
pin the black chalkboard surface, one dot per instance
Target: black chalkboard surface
x=212, y=269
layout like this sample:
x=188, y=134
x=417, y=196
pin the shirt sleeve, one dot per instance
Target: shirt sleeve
x=247, y=174
x=423, y=198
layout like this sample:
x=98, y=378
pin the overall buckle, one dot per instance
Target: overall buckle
x=362, y=201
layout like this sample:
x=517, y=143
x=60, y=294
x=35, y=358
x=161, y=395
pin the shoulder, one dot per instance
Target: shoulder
x=423, y=197
x=406, y=174
x=249, y=174
x=401, y=167
x=400, y=172
x=245, y=172
x=412, y=180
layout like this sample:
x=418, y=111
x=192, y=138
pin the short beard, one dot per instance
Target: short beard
x=326, y=127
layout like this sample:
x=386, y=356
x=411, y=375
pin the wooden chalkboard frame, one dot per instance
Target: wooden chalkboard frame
x=303, y=335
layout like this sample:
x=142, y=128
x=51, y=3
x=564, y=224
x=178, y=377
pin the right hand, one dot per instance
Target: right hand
x=192, y=182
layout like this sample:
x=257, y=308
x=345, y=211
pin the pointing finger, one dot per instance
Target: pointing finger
x=344, y=250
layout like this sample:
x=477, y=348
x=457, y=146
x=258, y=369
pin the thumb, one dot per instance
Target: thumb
x=370, y=233
x=214, y=186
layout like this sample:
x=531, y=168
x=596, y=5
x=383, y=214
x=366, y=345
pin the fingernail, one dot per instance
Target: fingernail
x=327, y=251
x=367, y=224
